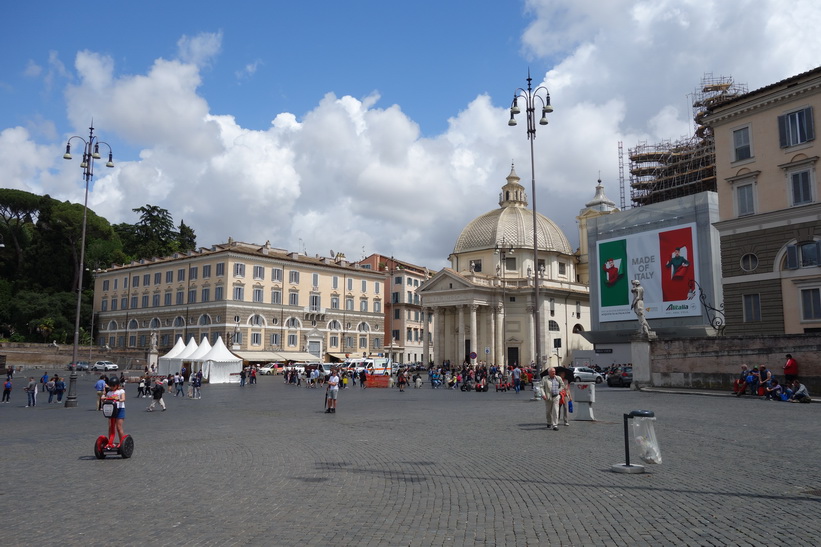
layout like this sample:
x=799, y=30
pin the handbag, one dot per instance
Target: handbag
x=570, y=406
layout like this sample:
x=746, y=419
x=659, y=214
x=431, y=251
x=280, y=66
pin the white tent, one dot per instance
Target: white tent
x=164, y=366
x=220, y=366
x=176, y=362
x=195, y=359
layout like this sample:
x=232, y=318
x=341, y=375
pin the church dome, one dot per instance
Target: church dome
x=512, y=221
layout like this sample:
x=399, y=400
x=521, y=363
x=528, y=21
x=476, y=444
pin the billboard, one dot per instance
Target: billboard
x=663, y=261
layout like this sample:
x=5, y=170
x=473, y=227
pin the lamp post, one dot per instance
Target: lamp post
x=91, y=152
x=503, y=249
x=533, y=97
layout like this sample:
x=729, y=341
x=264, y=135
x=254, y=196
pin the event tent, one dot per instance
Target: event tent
x=164, y=362
x=195, y=359
x=220, y=366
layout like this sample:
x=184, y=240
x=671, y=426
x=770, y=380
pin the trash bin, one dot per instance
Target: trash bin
x=584, y=395
x=644, y=435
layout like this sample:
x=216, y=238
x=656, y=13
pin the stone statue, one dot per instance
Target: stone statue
x=472, y=266
x=153, y=340
x=638, y=307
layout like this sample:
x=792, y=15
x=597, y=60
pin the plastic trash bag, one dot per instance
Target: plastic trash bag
x=644, y=435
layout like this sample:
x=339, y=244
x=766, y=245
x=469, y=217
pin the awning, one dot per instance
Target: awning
x=266, y=356
x=299, y=356
x=340, y=356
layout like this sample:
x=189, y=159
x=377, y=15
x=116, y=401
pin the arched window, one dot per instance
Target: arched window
x=179, y=321
x=256, y=320
x=292, y=323
x=112, y=325
x=133, y=325
x=577, y=329
x=204, y=320
x=363, y=327
x=553, y=326
x=334, y=325
x=155, y=323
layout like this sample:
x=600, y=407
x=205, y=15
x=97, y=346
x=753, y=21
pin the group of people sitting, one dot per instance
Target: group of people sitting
x=760, y=382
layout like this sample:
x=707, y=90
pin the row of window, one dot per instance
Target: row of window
x=794, y=128
x=510, y=266
x=801, y=255
x=238, y=295
x=810, y=306
x=239, y=271
x=801, y=190
x=292, y=340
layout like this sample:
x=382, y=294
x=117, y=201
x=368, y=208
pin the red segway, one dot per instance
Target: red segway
x=105, y=444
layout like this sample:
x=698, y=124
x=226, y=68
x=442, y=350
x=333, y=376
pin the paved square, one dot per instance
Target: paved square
x=264, y=465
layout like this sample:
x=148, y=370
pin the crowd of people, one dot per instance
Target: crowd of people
x=759, y=381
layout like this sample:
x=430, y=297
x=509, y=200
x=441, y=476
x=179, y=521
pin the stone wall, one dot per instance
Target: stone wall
x=47, y=357
x=713, y=363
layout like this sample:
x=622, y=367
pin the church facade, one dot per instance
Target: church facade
x=484, y=303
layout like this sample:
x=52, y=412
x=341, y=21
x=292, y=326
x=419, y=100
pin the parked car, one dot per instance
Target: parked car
x=79, y=366
x=622, y=377
x=586, y=374
x=270, y=368
x=104, y=365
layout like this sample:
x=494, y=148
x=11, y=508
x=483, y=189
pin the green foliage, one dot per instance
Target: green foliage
x=40, y=263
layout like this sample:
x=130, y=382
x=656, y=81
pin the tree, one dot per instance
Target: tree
x=154, y=232
x=17, y=210
x=187, y=239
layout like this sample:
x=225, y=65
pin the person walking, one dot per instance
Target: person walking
x=196, y=384
x=157, y=393
x=517, y=378
x=7, y=390
x=60, y=388
x=31, y=392
x=332, y=391
x=552, y=387
x=242, y=377
x=50, y=389
x=99, y=387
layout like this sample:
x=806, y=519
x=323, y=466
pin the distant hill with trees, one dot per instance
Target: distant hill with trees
x=40, y=263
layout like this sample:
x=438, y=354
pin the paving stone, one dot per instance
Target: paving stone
x=264, y=465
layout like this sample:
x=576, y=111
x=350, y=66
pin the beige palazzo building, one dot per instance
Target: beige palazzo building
x=483, y=303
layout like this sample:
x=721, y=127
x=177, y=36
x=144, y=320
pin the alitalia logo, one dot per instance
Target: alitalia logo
x=677, y=307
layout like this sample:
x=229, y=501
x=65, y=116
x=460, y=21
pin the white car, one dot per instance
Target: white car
x=270, y=368
x=104, y=365
x=587, y=374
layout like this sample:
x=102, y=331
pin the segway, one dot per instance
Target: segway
x=105, y=445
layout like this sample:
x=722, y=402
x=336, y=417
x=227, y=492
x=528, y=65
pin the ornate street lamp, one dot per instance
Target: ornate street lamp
x=532, y=98
x=91, y=152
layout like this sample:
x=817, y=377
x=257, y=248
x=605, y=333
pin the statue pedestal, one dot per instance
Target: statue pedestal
x=640, y=355
x=153, y=360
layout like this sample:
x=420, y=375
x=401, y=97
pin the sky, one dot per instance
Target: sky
x=364, y=126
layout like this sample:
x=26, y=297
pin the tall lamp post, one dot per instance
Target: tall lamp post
x=503, y=248
x=91, y=152
x=533, y=98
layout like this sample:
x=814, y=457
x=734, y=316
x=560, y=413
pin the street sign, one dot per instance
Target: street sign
x=473, y=355
x=487, y=350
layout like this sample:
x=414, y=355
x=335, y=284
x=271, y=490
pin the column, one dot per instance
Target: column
x=425, y=344
x=501, y=357
x=439, y=339
x=460, y=351
x=492, y=338
x=531, y=328
x=474, y=333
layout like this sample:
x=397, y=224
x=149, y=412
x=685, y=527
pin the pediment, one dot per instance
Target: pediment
x=445, y=280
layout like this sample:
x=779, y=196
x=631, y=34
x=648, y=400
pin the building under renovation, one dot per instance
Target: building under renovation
x=668, y=170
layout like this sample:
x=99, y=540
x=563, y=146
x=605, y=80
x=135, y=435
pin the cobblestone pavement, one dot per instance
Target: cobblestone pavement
x=264, y=465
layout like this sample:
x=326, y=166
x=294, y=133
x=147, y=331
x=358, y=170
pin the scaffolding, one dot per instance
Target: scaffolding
x=672, y=169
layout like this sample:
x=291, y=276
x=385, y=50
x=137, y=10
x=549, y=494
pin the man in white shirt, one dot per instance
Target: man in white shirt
x=332, y=391
x=552, y=386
